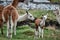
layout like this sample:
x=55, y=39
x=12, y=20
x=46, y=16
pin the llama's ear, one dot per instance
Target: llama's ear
x=27, y=12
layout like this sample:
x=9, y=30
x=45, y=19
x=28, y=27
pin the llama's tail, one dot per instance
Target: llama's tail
x=10, y=19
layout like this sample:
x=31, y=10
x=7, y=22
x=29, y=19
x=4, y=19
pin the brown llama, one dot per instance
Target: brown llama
x=1, y=20
x=10, y=16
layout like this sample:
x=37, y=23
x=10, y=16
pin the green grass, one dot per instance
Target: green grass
x=25, y=32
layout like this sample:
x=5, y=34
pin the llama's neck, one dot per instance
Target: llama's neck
x=15, y=3
x=43, y=19
x=42, y=22
x=22, y=18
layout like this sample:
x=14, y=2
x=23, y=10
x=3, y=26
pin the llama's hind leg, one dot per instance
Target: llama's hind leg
x=1, y=24
x=9, y=29
x=2, y=30
x=14, y=29
x=42, y=32
x=39, y=30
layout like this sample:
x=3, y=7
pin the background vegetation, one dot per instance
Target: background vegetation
x=54, y=0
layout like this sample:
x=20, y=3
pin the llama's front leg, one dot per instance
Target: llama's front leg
x=36, y=31
x=39, y=30
x=36, y=35
x=42, y=32
x=11, y=31
x=14, y=29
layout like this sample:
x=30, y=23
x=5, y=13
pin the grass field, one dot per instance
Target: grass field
x=25, y=32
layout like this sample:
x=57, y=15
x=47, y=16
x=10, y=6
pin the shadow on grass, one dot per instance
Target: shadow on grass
x=28, y=32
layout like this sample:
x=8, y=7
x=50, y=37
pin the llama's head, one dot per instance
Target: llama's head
x=45, y=16
x=56, y=12
x=30, y=16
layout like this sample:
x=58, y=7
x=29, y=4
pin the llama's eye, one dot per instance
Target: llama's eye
x=30, y=16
